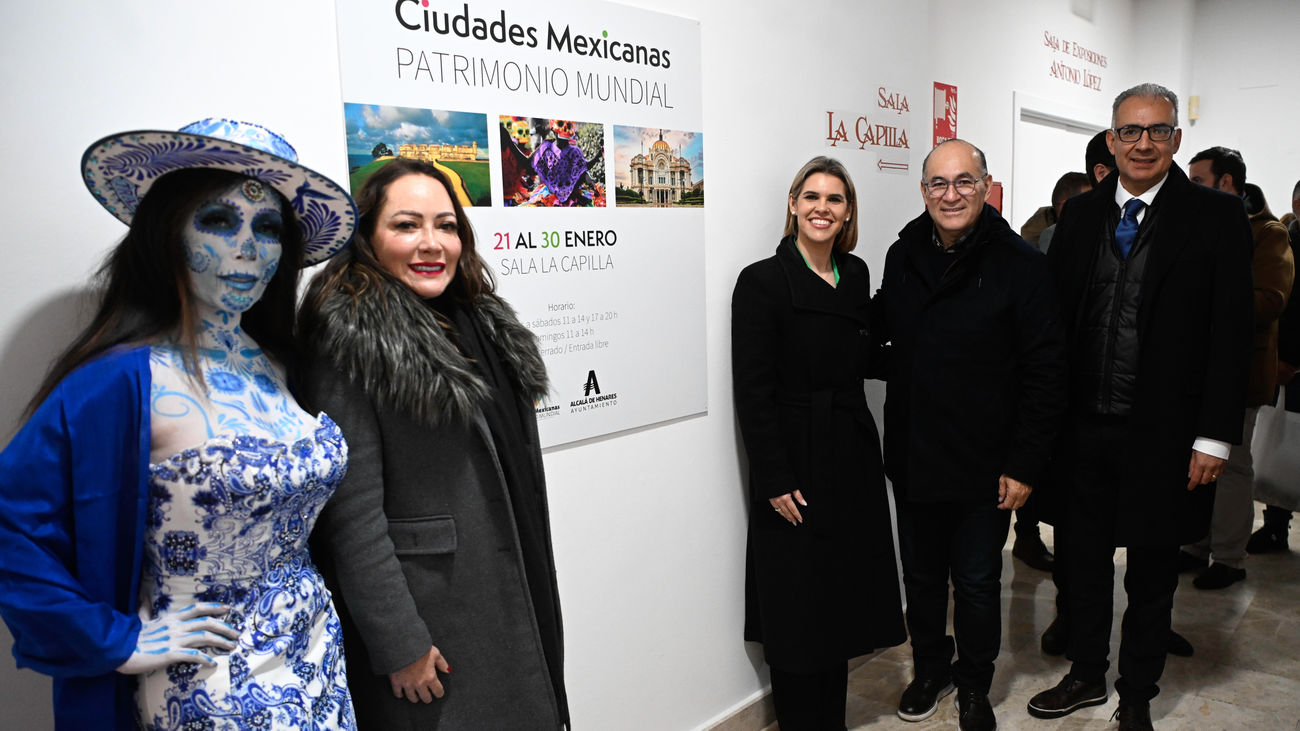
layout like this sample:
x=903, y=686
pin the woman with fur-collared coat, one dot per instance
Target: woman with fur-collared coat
x=437, y=544
x=821, y=577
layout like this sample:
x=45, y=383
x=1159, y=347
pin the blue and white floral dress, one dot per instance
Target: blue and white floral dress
x=228, y=522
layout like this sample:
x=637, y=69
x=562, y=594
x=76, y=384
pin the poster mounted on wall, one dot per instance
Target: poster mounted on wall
x=945, y=112
x=572, y=133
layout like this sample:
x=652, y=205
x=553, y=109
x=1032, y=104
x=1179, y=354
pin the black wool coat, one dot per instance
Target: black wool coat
x=975, y=369
x=826, y=590
x=1195, y=325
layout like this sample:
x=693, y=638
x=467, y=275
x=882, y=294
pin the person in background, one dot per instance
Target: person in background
x=1068, y=186
x=821, y=579
x=155, y=506
x=1272, y=536
x=1274, y=274
x=1156, y=394
x=1098, y=160
x=1037, y=223
x=975, y=392
x=437, y=544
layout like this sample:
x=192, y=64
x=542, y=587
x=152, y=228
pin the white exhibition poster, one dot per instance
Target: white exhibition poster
x=572, y=131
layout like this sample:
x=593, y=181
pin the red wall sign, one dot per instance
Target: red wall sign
x=945, y=112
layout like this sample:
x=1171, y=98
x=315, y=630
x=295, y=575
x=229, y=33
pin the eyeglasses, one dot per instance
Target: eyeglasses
x=938, y=187
x=1156, y=132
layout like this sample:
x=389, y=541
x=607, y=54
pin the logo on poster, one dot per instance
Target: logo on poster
x=592, y=398
x=544, y=410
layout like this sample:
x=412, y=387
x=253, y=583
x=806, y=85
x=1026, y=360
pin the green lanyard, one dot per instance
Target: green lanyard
x=834, y=267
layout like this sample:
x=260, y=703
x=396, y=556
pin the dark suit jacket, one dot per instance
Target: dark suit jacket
x=1195, y=320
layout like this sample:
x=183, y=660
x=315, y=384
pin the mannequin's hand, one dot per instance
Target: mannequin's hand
x=185, y=635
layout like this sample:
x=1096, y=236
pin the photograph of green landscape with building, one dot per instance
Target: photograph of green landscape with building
x=455, y=142
x=658, y=167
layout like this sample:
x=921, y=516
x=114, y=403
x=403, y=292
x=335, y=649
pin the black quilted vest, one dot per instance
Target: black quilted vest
x=1106, y=378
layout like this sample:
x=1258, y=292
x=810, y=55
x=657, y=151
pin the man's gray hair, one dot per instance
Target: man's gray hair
x=979, y=155
x=1146, y=91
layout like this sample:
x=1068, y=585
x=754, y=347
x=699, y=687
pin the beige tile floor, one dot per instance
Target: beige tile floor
x=1245, y=673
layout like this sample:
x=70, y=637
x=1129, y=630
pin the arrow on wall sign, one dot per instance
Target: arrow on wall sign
x=882, y=165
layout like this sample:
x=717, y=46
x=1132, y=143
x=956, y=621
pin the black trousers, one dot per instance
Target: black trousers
x=1089, y=553
x=810, y=701
x=961, y=540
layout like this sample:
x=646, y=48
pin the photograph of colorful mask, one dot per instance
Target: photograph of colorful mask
x=552, y=162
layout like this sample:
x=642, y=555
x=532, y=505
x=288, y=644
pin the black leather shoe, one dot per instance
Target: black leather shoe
x=974, y=712
x=1218, y=576
x=1055, y=637
x=1178, y=645
x=1067, y=697
x=1033, y=553
x=1188, y=562
x=921, y=698
x=1133, y=716
x=1269, y=539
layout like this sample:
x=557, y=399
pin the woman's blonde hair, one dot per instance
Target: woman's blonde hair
x=847, y=239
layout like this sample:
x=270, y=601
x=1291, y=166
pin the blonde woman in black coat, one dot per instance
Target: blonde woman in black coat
x=821, y=578
x=437, y=543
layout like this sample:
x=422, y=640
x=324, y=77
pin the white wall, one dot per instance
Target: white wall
x=1245, y=60
x=649, y=525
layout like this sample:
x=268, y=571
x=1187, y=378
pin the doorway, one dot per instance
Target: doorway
x=1048, y=139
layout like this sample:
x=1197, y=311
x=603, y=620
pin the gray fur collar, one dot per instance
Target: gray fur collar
x=389, y=343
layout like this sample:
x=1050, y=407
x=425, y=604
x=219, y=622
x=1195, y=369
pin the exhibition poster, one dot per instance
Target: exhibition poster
x=572, y=133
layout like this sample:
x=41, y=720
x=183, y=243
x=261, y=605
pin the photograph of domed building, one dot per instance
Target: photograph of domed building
x=656, y=167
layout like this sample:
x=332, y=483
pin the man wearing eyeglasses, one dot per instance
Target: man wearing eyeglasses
x=974, y=398
x=1153, y=274
x=1274, y=269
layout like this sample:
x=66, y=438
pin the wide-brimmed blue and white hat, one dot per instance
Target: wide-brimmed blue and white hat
x=119, y=170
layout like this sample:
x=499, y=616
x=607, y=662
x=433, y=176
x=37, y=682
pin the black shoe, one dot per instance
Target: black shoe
x=1067, y=697
x=974, y=712
x=921, y=698
x=1055, y=637
x=1188, y=562
x=1032, y=551
x=1218, y=576
x=1133, y=716
x=1178, y=645
x=1269, y=539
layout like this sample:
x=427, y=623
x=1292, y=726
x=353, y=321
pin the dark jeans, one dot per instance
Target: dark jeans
x=810, y=701
x=1089, y=552
x=963, y=540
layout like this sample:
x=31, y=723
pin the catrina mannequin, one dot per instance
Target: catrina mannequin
x=157, y=500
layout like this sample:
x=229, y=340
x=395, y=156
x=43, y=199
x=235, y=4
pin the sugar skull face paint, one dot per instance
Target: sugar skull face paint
x=232, y=246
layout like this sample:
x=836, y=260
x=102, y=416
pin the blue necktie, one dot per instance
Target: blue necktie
x=1127, y=230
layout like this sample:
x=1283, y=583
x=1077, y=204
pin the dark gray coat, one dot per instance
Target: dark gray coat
x=419, y=543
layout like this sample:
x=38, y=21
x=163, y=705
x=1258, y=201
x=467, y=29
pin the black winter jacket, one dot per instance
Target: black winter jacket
x=976, y=373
